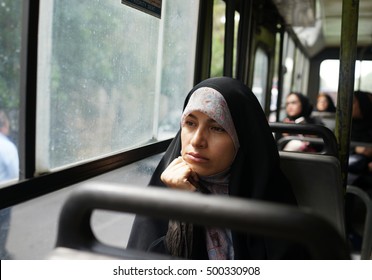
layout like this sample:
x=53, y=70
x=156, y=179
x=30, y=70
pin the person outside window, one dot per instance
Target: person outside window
x=9, y=168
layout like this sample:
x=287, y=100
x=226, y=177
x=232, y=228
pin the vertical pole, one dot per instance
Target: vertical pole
x=349, y=32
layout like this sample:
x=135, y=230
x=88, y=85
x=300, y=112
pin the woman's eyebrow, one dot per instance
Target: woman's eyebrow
x=209, y=120
x=212, y=121
x=192, y=116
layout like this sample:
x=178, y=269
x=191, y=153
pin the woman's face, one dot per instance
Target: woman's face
x=322, y=103
x=293, y=105
x=206, y=146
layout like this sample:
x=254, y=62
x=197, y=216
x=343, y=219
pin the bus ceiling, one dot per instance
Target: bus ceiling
x=317, y=23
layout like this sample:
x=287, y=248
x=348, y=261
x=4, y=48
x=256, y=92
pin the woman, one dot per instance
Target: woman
x=360, y=160
x=360, y=164
x=224, y=147
x=298, y=109
x=325, y=103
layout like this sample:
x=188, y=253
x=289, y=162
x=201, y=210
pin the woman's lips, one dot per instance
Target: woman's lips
x=196, y=157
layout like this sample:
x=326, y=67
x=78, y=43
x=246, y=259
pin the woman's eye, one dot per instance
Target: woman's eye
x=189, y=123
x=218, y=129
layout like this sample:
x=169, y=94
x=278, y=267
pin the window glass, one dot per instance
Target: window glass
x=177, y=68
x=236, y=30
x=301, y=73
x=363, y=75
x=33, y=227
x=218, y=43
x=288, y=56
x=329, y=80
x=261, y=64
x=305, y=75
x=108, y=75
x=329, y=76
x=10, y=50
x=289, y=49
x=297, y=72
x=218, y=40
x=275, y=81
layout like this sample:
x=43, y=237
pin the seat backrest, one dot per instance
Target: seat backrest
x=328, y=118
x=328, y=139
x=260, y=218
x=317, y=184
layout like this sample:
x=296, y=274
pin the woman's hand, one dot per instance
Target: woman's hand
x=179, y=175
x=366, y=151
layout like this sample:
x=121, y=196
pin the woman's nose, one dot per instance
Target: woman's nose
x=199, y=139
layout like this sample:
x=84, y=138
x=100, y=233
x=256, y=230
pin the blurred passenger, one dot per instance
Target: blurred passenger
x=326, y=111
x=9, y=168
x=9, y=162
x=360, y=165
x=360, y=161
x=298, y=110
x=325, y=103
x=224, y=147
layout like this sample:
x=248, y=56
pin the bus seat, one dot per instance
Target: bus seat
x=66, y=253
x=354, y=144
x=326, y=136
x=328, y=119
x=366, y=251
x=282, y=142
x=75, y=237
x=317, y=184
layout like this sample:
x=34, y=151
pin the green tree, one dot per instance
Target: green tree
x=218, y=38
x=10, y=49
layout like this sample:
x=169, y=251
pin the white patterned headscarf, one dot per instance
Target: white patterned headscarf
x=210, y=102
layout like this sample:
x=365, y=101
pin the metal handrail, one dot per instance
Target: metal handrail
x=255, y=217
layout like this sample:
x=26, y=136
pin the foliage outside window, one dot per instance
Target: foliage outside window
x=218, y=43
x=10, y=51
x=261, y=65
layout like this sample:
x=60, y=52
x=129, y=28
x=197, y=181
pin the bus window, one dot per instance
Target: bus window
x=288, y=65
x=109, y=77
x=218, y=40
x=10, y=50
x=329, y=71
x=301, y=69
x=218, y=43
x=329, y=76
x=261, y=64
x=363, y=75
x=275, y=82
x=289, y=50
x=236, y=30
